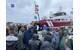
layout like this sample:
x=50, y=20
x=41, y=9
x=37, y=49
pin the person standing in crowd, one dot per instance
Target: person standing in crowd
x=61, y=45
x=43, y=34
x=45, y=27
x=47, y=45
x=20, y=36
x=34, y=42
x=12, y=31
x=27, y=36
x=55, y=39
x=63, y=38
x=11, y=40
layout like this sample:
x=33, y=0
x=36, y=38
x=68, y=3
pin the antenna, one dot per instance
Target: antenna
x=71, y=11
x=60, y=9
x=51, y=15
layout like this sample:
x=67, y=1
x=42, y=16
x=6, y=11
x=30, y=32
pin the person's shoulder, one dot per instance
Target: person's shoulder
x=11, y=38
x=25, y=31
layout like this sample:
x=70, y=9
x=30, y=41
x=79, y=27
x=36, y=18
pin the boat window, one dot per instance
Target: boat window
x=59, y=14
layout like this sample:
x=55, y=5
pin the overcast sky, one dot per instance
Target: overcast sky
x=23, y=12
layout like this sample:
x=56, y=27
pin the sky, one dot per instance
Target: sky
x=23, y=12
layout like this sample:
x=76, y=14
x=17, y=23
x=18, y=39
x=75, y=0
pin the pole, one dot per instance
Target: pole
x=37, y=9
x=38, y=17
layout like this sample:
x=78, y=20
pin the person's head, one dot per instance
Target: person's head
x=25, y=26
x=35, y=37
x=29, y=26
x=44, y=25
x=11, y=30
x=22, y=28
x=31, y=29
x=47, y=38
x=49, y=33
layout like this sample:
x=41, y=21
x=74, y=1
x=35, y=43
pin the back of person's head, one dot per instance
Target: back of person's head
x=22, y=28
x=35, y=37
x=44, y=32
x=11, y=30
x=47, y=38
x=25, y=26
x=48, y=33
x=29, y=26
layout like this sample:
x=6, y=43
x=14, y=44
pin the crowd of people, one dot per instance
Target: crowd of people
x=23, y=37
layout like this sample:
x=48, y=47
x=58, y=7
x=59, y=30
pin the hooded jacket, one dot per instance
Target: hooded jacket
x=27, y=36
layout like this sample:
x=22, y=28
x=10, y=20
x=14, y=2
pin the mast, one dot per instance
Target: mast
x=36, y=10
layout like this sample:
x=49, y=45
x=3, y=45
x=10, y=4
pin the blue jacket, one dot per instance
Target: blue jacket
x=27, y=36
